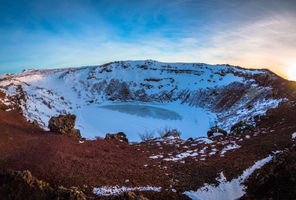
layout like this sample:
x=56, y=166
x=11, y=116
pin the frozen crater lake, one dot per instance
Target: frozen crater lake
x=145, y=111
x=136, y=118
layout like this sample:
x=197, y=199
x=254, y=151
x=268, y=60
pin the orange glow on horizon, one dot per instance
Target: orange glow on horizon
x=291, y=73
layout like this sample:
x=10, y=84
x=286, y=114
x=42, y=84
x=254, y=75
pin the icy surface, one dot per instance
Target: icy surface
x=226, y=190
x=144, y=111
x=94, y=120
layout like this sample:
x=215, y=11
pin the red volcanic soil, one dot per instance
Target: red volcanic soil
x=64, y=160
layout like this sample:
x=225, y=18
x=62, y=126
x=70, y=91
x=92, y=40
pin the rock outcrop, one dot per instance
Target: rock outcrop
x=64, y=124
x=19, y=185
x=248, y=125
x=128, y=196
x=172, y=133
x=216, y=131
x=276, y=180
x=118, y=136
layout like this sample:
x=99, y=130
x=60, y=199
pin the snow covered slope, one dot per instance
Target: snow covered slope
x=139, y=96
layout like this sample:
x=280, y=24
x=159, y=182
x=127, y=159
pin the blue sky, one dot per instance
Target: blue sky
x=69, y=33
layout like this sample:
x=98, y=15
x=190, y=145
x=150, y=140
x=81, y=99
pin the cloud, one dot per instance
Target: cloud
x=251, y=33
x=270, y=42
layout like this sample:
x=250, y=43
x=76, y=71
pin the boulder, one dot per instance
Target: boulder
x=117, y=136
x=172, y=133
x=75, y=132
x=64, y=124
x=215, y=131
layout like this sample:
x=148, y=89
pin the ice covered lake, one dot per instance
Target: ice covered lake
x=145, y=111
x=135, y=118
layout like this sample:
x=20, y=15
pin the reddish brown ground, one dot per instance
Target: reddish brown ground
x=62, y=160
x=275, y=180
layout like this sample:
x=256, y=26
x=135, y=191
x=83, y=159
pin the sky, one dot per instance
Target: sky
x=71, y=33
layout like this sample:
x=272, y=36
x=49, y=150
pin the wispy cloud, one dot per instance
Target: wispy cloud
x=270, y=42
x=251, y=33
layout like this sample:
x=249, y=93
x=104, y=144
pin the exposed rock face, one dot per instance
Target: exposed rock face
x=172, y=133
x=118, y=136
x=19, y=185
x=72, y=193
x=215, y=130
x=2, y=106
x=276, y=180
x=247, y=125
x=241, y=128
x=64, y=124
x=35, y=124
x=128, y=196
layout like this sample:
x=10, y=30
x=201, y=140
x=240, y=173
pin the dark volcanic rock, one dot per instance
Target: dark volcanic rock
x=3, y=106
x=216, y=130
x=64, y=124
x=276, y=180
x=19, y=185
x=118, y=136
x=35, y=124
x=247, y=125
x=127, y=196
x=173, y=133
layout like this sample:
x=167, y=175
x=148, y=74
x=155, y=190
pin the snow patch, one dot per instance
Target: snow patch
x=229, y=147
x=115, y=190
x=294, y=136
x=204, y=140
x=181, y=156
x=226, y=190
x=156, y=156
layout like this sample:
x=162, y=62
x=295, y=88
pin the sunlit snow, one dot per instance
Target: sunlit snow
x=162, y=95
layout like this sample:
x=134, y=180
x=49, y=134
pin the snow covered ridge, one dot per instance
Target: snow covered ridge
x=218, y=94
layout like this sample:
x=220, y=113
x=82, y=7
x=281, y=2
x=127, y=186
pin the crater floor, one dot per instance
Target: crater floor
x=135, y=118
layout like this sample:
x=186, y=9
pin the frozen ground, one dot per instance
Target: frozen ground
x=135, y=118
